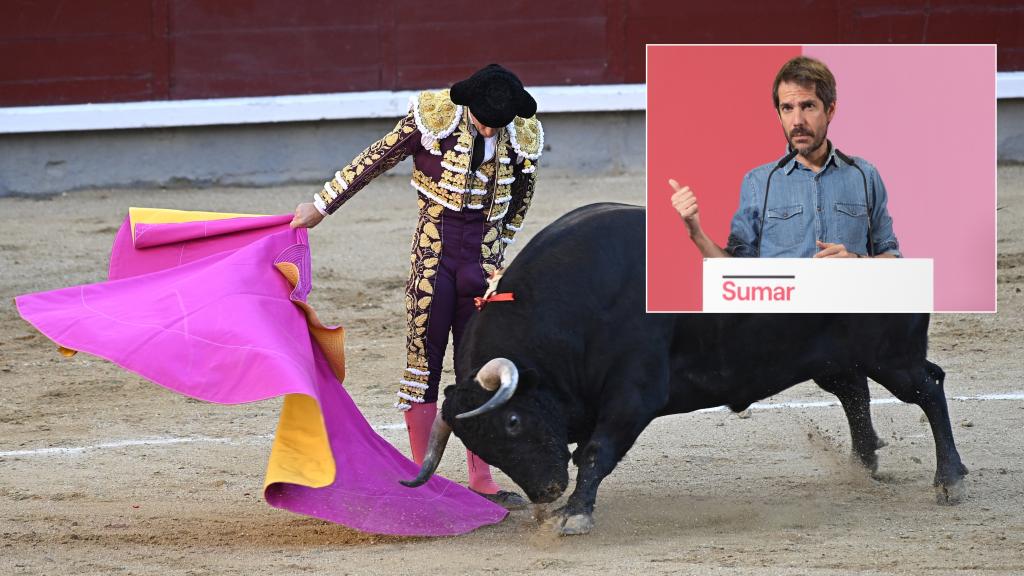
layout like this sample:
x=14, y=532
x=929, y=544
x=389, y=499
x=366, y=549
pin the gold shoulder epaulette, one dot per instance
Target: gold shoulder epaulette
x=435, y=113
x=527, y=136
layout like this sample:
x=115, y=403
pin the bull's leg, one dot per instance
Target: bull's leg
x=626, y=408
x=852, y=390
x=595, y=460
x=922, y=385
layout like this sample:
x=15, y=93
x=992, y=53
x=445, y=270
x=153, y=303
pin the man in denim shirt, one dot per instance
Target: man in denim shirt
x=816, y=205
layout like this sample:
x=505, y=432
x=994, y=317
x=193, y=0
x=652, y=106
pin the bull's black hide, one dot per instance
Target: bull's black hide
x=594, y=369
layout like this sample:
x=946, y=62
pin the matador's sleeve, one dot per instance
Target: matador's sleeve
x=377, y=159
x=522, y=195
x=527, y=139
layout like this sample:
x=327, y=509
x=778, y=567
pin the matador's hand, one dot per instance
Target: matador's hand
x=306, y=216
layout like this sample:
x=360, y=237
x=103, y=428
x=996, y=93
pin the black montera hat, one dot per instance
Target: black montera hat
x=495, y=96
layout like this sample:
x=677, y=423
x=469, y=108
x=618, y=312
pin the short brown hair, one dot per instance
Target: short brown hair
x=806, y=71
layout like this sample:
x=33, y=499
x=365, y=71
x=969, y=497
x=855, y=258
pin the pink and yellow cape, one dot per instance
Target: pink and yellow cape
x=213, y=306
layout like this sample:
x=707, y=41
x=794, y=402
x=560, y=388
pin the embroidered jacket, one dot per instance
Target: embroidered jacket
x=436, y=132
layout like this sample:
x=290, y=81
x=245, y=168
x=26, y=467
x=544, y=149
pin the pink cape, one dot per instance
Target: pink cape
x=213, y=306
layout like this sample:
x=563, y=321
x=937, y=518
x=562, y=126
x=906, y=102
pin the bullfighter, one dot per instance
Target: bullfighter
x=475, y=149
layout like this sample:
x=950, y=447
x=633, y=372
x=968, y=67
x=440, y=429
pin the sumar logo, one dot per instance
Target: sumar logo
x=755, y=289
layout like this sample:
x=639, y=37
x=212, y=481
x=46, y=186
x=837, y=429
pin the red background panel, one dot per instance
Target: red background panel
x=710, y=119
x=53, y=51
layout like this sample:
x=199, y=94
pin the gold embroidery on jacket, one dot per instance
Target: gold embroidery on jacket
x=487, y=169
x=431, y=189
x=465, y=141
x=376, y=159
x=419, y=292
x=491, y=249
x=435, y=113
x=453, y=181
x=527, y=137
x=522, y=197
x=455, y=165
x=459, y=160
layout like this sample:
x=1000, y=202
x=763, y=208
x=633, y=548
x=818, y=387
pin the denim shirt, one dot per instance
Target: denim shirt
x=804, y=206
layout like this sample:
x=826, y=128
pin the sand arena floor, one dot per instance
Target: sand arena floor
x=699, y=494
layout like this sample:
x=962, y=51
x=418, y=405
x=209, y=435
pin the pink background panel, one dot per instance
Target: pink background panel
x=923, y=115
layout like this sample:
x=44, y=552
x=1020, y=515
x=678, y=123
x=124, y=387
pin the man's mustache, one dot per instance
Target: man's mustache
x=801, y=132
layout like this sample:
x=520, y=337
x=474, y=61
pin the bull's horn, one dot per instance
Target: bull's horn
x=439, y=434
x=499, y=374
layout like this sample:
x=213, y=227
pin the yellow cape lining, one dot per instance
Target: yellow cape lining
x=301, y=452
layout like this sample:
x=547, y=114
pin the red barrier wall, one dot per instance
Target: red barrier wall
x=54, y=52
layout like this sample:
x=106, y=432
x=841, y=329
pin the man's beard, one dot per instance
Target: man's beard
x=806, y=149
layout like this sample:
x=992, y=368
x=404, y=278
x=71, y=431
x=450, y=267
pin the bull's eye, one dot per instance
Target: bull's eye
x=512, y=424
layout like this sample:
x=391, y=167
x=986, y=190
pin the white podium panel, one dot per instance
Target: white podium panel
x=818, y=285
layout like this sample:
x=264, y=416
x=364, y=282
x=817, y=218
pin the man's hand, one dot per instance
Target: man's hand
x=685, y=202
x=306, y=216
x=827, y=250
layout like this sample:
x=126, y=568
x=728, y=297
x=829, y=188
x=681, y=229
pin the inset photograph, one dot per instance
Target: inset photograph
x=821, y=178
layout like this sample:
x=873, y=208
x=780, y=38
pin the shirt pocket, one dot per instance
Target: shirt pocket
x=784, y=227
x=851, y=226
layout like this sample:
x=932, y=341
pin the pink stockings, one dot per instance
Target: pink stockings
x=418, y=421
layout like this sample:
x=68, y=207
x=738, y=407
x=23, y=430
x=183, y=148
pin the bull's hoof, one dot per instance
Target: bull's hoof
x=872, y=467
x=879, y=443
x=572, y=525
x=868, y=461
x=950, y=493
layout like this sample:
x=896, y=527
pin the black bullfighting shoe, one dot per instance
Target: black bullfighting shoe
x=506, y=499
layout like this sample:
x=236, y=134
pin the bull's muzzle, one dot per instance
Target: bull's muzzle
x=439, y=434
x=500, y=376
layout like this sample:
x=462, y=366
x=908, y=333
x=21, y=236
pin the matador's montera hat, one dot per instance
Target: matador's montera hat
x=495, y=96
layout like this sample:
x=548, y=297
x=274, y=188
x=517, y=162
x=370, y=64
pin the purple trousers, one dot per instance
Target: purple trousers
x=460, y=279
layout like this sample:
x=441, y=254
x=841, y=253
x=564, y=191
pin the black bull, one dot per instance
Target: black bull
x=574, y=359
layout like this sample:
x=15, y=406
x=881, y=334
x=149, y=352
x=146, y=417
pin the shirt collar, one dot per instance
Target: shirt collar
x=830, y=159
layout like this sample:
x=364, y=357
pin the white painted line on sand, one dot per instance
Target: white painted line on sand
x=875, y=402
x=1004, y=396
x=120, y=444
x=71, y=450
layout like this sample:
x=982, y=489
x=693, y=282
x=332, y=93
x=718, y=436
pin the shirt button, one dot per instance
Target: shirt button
x=819, y=208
